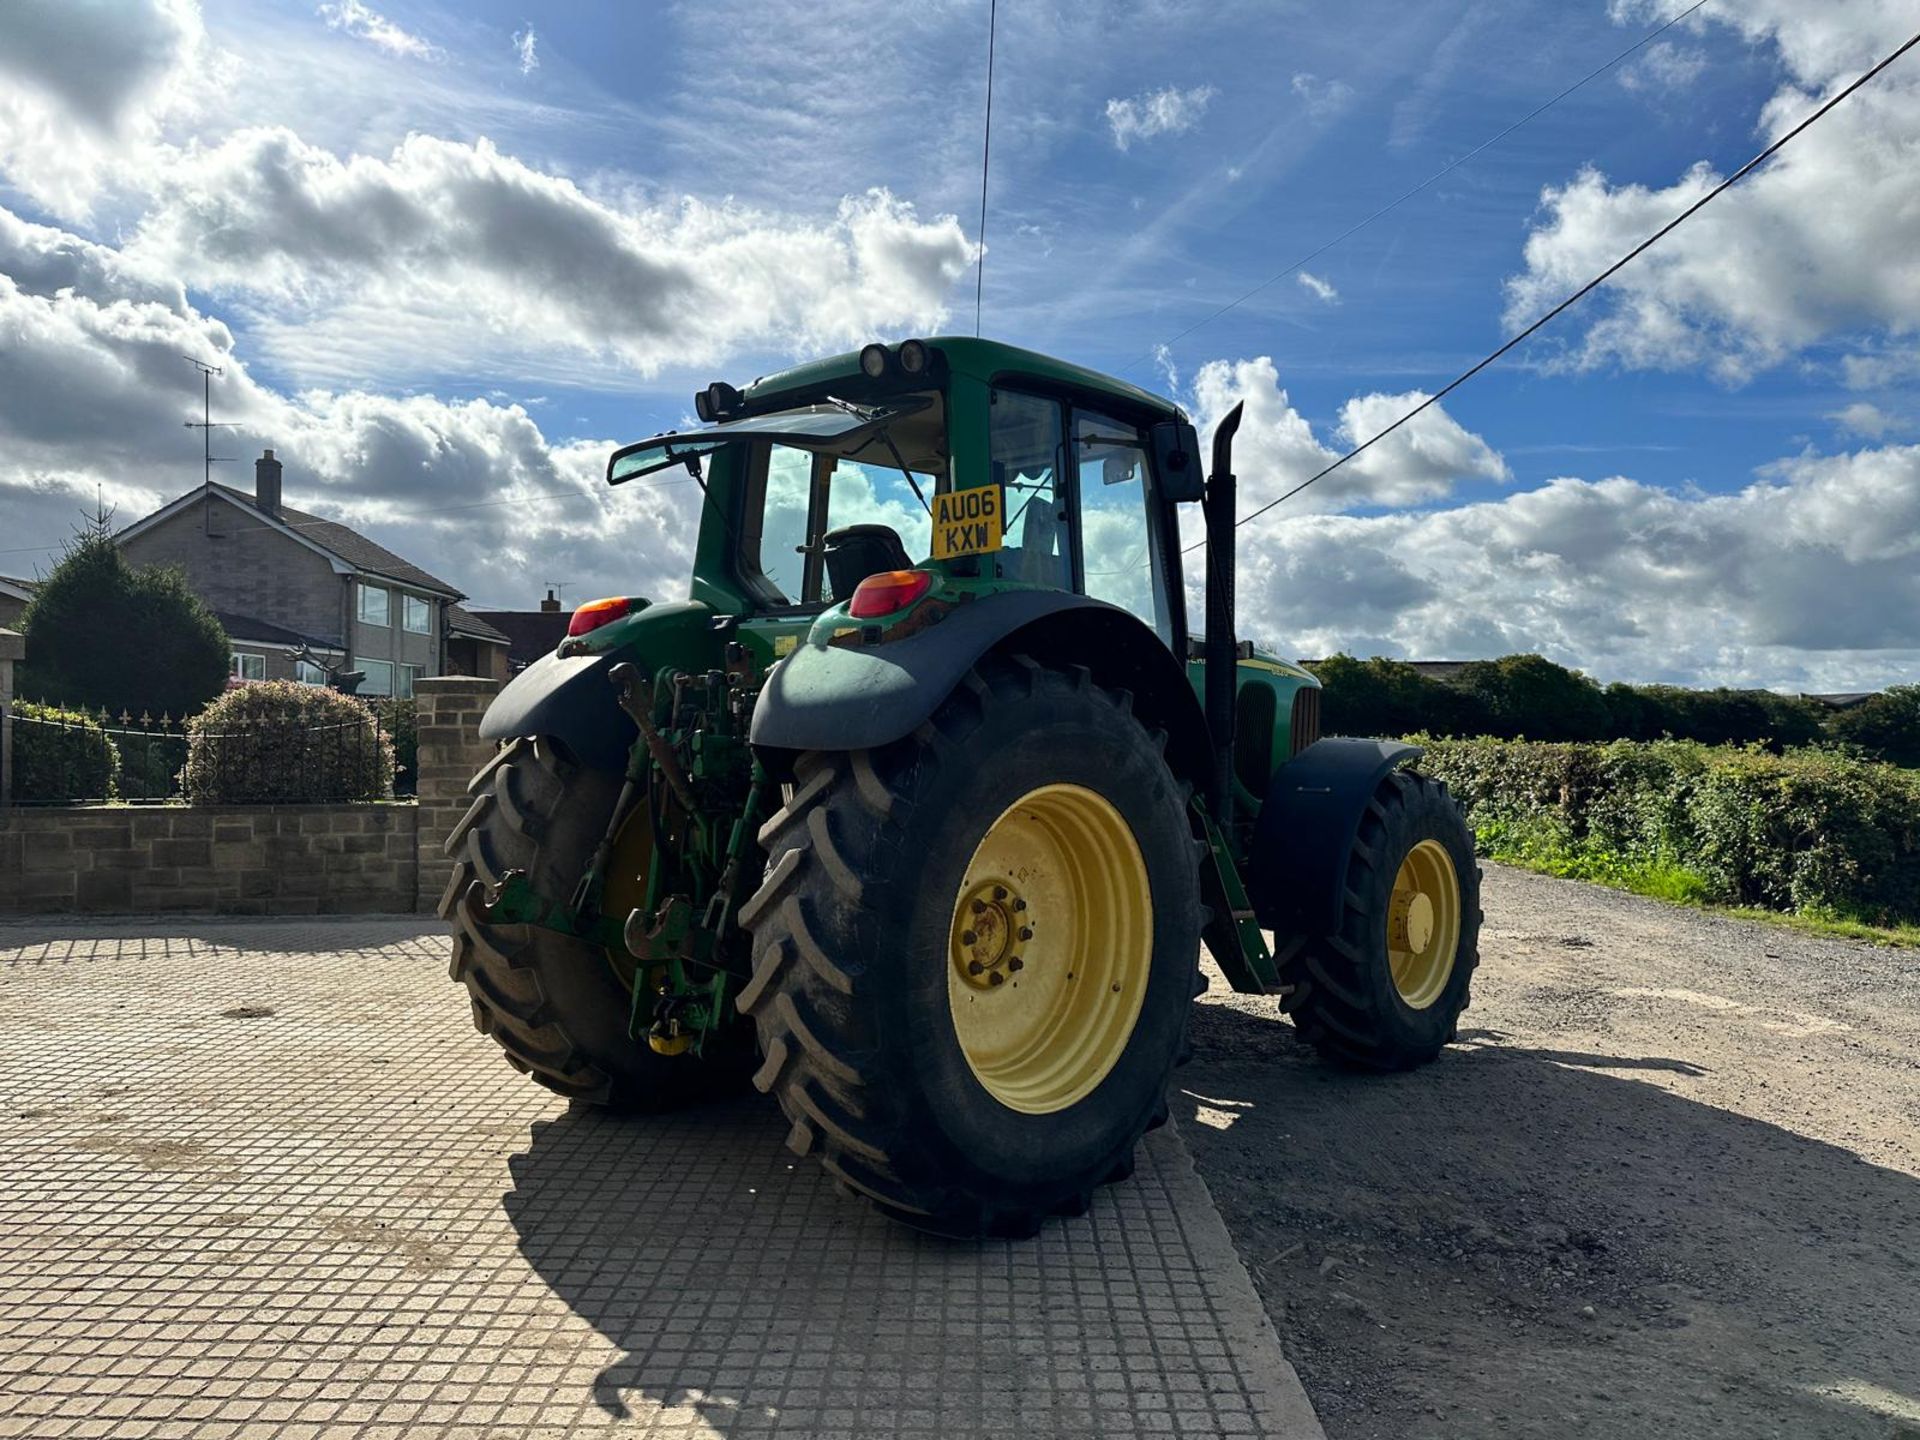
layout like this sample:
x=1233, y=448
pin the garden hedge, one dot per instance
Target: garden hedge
x=279, y=743
x=61, y=756
x=1811, y=831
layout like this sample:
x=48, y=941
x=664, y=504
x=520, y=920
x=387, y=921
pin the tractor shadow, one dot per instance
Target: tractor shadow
x=1539, y=1241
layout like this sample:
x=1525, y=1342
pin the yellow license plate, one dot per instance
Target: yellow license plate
x=969, y=522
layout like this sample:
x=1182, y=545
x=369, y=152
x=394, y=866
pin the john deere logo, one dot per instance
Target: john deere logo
x=968, y=522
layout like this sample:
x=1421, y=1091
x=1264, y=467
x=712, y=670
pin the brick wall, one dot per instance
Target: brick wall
x=451, y=750
x=225, y=859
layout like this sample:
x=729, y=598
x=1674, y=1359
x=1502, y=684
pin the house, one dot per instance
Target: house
x=14, y=595
x=289, y=585
x=530, y=633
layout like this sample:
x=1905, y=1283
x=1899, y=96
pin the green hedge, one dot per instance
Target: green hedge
x=61, y=756
x=278, y=743
x=1810, y=832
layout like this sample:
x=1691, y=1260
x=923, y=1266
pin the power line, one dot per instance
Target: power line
x=986, y=151
x=1437, y=175
x=1588, y=288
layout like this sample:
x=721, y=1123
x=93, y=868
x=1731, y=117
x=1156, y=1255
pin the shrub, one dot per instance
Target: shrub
x=1812, y=831
x=1530, y=695
x=61, y=756
x=1888, y=725
x=279, y=743
x=105, y=635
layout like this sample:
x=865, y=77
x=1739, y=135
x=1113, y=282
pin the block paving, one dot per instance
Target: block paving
x=262, y=1178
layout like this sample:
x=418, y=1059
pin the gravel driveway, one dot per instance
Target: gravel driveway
x=1668, y=1184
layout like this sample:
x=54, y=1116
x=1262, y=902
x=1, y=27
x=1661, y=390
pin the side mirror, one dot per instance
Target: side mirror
x=1176, y=461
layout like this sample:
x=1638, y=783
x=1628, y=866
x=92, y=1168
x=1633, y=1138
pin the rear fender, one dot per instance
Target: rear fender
x=831, y=697
x=1297, y=868
x=571, y=699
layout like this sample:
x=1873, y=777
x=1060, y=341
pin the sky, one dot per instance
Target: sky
x=448, y=256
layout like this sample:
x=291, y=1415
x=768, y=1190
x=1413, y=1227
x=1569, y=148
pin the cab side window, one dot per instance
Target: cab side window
x=1110, y=458
x=1026, y=452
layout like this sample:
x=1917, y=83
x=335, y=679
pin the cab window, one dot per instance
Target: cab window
x=1024, y=446
x=1110, y=460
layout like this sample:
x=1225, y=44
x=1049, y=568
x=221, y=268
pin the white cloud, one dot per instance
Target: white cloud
x=1664, y=67
x=1863, y=419
x=354, y=18
x=524, y=52
x=1422, y=461
x=1171, y=111
x=1324, y=99
x=1318, y=288
x=82, y=82
x=458, y=256
x=1816, y=246
x=93, y=392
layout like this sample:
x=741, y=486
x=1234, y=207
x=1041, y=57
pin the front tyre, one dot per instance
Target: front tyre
x=1385, y=990
x=975, y=951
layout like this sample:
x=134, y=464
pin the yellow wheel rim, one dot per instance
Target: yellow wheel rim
x=1050, y=948
x=1423, y=924
x=626, y=887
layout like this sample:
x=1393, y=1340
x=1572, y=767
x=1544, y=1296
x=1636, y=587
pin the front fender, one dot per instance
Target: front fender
x=570, y=698
x=1298, y=865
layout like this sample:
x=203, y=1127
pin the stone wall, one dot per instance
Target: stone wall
x=225, y=859
x=449, y=709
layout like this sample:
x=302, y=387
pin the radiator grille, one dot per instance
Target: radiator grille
x=1306, y=717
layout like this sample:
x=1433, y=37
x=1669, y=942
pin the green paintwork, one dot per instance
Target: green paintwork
x=693, y=884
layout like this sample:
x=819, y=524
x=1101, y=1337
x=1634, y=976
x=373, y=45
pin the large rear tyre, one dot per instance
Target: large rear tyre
x=975, y=951
x=1385, y=990
x=558, y=1006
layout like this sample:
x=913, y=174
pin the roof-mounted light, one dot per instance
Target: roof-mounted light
x=875, y=361
x=717, y=402
x=914, y=357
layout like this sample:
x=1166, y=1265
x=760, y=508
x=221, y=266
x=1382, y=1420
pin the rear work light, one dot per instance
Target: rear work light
x=888, y=593
x=595, y=613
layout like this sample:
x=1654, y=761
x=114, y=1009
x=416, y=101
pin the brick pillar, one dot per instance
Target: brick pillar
x=13, y=646
x=450, y=707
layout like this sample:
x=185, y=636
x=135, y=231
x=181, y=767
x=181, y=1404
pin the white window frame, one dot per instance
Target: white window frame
x=404, y=676
x=407, y=603
x=305, y=672
x=386, y=605
x=376, y=668
x=239, y=662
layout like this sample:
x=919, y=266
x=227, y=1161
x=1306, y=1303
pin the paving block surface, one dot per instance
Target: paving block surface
x=263, y=1179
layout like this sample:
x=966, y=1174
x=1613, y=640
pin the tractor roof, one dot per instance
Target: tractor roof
x=985, y=360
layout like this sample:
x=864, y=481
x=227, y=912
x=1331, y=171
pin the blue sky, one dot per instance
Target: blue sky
x=451, y=252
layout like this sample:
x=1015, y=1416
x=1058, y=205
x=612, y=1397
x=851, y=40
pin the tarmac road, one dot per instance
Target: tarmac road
x=1668, y=1184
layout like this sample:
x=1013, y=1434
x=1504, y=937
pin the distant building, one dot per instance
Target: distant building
x=530, y=633
x=285, y=583
x=14, y=595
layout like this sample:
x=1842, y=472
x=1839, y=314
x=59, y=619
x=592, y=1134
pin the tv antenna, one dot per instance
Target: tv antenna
x=206, y=425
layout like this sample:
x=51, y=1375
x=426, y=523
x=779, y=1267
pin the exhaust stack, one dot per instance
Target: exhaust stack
x=1222, y=647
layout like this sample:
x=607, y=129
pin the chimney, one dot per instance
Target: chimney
x=549, y=605
x=266, y=485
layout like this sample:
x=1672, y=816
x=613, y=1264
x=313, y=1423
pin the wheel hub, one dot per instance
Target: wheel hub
x=1423, y=924
x=990, y=924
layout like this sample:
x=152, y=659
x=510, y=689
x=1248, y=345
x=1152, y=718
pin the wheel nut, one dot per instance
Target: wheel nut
x=999, y=892
x=967, y=937
x=1026, y=932
x=1016, y=963
x=979, y=907
x=974, y=967
x=1019, y=904
x=996, y=978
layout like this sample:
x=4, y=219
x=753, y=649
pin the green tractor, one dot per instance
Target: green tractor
x=919, y=809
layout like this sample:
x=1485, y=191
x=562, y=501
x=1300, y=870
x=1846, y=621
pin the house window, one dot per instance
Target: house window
x=379, y=679
x=416, y=615
x=242, y=666
x=373, y=605
x=307, y=673
x=408, y=674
